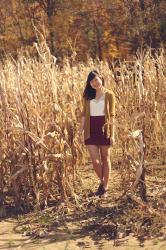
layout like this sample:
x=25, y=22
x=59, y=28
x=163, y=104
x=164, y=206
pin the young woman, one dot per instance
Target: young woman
x=97, y=125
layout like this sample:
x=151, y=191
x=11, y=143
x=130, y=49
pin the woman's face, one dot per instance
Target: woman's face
x=96, y=83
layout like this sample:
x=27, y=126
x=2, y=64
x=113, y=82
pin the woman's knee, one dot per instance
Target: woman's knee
x=106, y=160
x=96, y=162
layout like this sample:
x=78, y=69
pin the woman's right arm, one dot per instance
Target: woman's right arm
x=82, y=123
x=82, y=118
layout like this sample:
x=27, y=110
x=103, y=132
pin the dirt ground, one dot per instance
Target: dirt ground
x=62, y=240
x=91, y=226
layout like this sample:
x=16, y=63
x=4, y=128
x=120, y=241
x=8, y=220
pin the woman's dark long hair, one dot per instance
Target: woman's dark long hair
x=89, y=92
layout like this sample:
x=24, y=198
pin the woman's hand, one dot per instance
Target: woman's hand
x=80, y=138
x=112, y=139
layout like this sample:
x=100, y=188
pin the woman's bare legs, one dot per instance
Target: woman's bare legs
x=106, y=161
x=96, y=161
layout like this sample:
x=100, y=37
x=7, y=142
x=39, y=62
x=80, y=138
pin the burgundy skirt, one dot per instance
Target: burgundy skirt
x=97, y=137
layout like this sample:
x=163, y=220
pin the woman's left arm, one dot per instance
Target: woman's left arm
x=112, y=113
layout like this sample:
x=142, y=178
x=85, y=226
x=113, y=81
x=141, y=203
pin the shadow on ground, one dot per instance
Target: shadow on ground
x=99, y=220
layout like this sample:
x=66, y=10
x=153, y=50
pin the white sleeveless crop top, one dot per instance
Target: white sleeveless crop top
x=97, y=106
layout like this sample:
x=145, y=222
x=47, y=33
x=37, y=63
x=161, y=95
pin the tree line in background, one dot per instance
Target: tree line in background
x=103, y=29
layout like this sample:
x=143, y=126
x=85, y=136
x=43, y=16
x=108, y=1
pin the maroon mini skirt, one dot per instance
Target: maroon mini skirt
x=97, y=137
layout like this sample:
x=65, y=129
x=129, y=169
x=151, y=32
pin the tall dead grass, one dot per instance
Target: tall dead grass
x=40, y=109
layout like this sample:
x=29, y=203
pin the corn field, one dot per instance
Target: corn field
x=40, y=104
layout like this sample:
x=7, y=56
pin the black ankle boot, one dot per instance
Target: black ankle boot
x=103, y=192
x=99, y=190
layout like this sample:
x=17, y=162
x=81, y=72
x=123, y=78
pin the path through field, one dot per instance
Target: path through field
x=62, y=240
x=90, y=229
